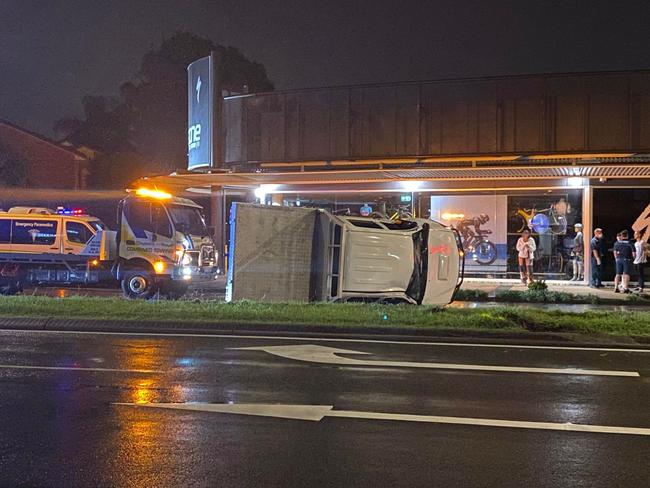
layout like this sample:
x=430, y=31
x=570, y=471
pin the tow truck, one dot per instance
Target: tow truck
x=161, y=245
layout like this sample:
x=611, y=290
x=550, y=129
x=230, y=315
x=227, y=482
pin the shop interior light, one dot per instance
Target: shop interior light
x=157, y=194
x=410, y=185
x=575, y=182
x=452, y=216
x=261, y=191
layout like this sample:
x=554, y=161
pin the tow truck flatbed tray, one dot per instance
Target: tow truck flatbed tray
x=43, y=258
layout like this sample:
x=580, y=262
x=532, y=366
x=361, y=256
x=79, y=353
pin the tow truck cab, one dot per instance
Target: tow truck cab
x=162, y=243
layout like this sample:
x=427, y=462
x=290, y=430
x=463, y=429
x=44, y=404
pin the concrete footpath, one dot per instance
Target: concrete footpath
x=492, y=287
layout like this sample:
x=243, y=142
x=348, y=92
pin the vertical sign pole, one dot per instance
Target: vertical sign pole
x=218, y=194
x=587, y=228
x=216, y=112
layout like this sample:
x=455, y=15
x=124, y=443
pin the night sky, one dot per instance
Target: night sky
x=53, y=52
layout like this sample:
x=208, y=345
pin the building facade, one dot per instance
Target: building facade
x=489, y=156
x=48, y=164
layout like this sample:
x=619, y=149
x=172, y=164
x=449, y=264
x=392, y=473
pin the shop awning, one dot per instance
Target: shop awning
x=389, y=172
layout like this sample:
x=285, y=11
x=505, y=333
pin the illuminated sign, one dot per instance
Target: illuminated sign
x=405, y=198
x=200, y=106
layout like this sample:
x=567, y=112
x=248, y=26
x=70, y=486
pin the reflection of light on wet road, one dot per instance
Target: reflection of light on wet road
x=144, y=392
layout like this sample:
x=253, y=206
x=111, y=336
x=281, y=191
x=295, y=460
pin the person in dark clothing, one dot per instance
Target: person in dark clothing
x=597, y=252
x=624, y=254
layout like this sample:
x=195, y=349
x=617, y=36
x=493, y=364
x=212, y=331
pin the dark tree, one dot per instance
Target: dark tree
x=149, y=119
x=13, y=169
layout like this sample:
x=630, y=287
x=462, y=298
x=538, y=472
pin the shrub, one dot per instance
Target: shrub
x=464, y=294
x=538, y=286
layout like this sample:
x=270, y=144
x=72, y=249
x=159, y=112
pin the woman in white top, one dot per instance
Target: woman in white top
x=526, y=248
x=640, y=259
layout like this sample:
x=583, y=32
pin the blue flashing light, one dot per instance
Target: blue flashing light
x=70, y=211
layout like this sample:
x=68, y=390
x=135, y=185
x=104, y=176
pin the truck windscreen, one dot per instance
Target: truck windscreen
x=418, y=282
x=188, y=220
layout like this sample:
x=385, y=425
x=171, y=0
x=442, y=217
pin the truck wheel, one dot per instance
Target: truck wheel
x=173, y=291
x=138, y=284
x=11, y=287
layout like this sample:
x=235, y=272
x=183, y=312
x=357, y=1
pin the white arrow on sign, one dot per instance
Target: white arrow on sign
x=328, y=355
x=316, y=413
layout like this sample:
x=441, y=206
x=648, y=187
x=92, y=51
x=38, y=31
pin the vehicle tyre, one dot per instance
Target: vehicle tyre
x=138, y=284
x=173, y=290
x=10, y=287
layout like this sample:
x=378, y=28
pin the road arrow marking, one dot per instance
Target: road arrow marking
x=328, y=355
x=72, y=368
x=315, y=413
x=296, y=412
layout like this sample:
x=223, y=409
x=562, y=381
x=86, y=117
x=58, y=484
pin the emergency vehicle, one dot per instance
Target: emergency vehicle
x=161, y=245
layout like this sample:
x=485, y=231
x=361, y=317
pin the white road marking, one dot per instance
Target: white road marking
x=316, y=413
x=328, y=355
x=325, y=339
x=72, y=368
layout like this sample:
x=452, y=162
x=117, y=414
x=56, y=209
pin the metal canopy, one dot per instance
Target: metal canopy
x=304, y=175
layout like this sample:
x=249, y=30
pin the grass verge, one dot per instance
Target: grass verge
x=502, y=319
x=545, y=296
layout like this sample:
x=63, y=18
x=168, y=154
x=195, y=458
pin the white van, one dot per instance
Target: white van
x=417, y=261
x=308, y=254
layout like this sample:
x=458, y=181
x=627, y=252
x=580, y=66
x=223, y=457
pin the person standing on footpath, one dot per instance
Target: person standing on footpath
x=596, y=247
x=577, y=254
x=624, y=254
x=640, y=260
x=526, y=248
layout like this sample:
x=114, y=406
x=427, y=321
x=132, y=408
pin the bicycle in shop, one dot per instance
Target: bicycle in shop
x=397, y=212
x=543, y=221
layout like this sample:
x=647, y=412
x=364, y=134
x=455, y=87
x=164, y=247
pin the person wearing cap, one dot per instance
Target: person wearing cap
x=597, y=253
x=578, y=253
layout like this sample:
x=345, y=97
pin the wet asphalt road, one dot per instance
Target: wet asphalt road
x=61, y=427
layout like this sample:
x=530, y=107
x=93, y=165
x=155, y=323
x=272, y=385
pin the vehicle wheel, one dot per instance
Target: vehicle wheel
x=138, y=284
x=173, y=290
x=10, y=287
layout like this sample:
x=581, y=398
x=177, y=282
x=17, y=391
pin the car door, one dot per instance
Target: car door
x=77, y=235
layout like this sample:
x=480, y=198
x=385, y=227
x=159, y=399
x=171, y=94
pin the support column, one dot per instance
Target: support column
x=219, y=220
x=587, y=227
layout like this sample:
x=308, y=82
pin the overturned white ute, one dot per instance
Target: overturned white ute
x=297, y=254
